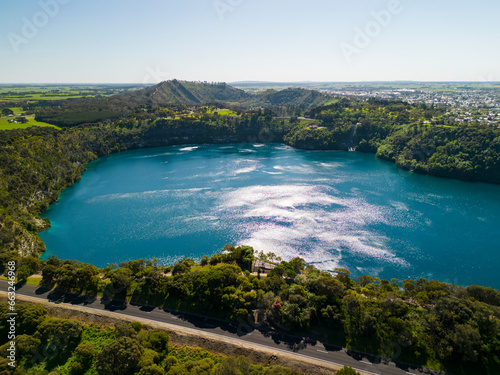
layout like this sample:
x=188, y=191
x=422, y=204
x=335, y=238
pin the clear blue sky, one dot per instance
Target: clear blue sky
x=123, y=41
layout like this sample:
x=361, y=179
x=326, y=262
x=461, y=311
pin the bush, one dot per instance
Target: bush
x=157, y=341
x=137, y=326
x=346, y=370
x=76, y=368
x=85, y=351
x=23, y=273
x=120, y=357
x=484, y=294
x=151, y=370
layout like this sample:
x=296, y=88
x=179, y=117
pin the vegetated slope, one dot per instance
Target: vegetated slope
x=93, y=110
x=195, y=93
x=398, y=132
x=36, y=164
x=173, y=94
x=81, y=117
x=64, y=346
x=429, y=323
x=466, y=153
x=293, y=96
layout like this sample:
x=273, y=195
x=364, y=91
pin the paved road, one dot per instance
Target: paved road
x=299, y=346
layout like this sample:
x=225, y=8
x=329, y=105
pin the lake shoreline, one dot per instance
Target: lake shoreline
x=244, y=170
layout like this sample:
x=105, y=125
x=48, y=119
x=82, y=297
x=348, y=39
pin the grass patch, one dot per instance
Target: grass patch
x=221, y=111
x=185, y=354
x=200, y=268
x=98, y=336
x=32, y=280
x=18, y=111
x=6, y=125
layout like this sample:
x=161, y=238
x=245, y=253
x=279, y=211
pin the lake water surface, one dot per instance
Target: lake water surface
x=334, y=209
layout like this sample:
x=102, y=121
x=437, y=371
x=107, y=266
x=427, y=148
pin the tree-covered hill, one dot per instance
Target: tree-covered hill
x=189, y=93
x=292, y=96
x=416, y=137
x=171, y=95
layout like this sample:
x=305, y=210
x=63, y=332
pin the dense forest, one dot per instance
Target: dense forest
x=402, y=133
x=36, y=164
x=428, y=323
x=49, y=345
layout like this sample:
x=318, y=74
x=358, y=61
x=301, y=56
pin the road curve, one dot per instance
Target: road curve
x=243, y=333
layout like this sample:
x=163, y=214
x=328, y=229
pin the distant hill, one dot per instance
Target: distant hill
x=195, y=93
x=246, y=84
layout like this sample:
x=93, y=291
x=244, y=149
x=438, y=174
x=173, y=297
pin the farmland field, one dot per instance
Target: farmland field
x=15, y=97
x=15, y=93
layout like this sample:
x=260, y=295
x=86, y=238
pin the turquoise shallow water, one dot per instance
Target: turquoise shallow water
x=334, y=209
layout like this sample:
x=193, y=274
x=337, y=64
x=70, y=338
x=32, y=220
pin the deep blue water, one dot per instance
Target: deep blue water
x=334, y=209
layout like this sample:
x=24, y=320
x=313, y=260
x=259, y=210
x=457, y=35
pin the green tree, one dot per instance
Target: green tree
x=120, y=284
x=29, y=317
x=170, y=362
x=23, y=273
x=204, y=260
x=343, y=276
x=295, y=317
x=77, y=368
x=49, y=275
x=153, y=369
x=136, y=326
x=85, y=352
x=364, y=280
x=148, y=358
x=124, y=329
x=298, y=265
x=229, y=366
x=26, y=345
x=5, y=368
x=7, y=112
x=466, y=342
x=120, y=357
x=61, y=332
x=157, y=341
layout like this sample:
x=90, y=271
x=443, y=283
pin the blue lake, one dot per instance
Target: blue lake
x=334, y=209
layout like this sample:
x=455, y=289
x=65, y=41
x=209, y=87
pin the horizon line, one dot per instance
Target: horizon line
x=236, y=82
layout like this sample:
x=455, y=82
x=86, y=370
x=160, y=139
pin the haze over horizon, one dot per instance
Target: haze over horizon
x=70, y=41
